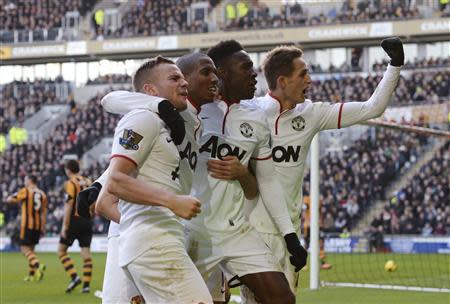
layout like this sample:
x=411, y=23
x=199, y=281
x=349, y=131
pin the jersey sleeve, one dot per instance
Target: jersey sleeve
x=135, y=135
x=122, y=102
x=263, y=150
x=70, y=190
x=328, y=115
x=21, y=195
x=336, y=116
x=102, y=179
x=44, y=203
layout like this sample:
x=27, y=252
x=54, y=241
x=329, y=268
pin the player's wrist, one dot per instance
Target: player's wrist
x=169, y=201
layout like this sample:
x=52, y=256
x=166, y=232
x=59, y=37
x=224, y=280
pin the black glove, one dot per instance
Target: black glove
x=298, y=254
x=169, y=114
x=393, y=46
x=86, y=198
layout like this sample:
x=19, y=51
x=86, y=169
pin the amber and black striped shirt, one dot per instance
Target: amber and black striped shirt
x=72, y=187
x=34, y=209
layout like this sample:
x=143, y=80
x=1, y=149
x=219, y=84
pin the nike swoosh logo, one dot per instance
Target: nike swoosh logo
x=169, y=139
x=204, y=117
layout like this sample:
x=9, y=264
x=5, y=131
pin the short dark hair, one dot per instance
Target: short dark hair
x=73, y=166
x=32, y=178
x=142, y=73
x=187, y=63
x=278, y=62
x=221, y=52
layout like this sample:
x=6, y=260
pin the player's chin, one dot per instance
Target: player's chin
x=181, y=104
x=209, y=97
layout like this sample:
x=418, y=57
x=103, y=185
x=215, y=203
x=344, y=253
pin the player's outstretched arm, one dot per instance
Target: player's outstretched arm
x=350, y=113
x=122, y=102
x=272, y=195
x=273, y=198
x=230, y=168
x=132, y=190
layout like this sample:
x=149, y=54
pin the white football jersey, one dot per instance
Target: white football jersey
x=293, y=130
x=240, y=130
x=122, y=102
x=141, y=137
x=189, y=147
x=291, y=135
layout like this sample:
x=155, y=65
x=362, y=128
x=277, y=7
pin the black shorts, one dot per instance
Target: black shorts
x=78, y=230
x=30, y=237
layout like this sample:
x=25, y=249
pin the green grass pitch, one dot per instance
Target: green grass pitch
x=346, y=267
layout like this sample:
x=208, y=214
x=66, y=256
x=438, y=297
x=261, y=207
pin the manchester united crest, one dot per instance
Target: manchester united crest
x=246, y=129
x=298, y=123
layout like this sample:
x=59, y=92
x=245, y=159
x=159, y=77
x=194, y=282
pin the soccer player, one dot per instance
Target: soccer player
x=33, y=217
x=220, y=236
x=294, y=121
x=151, y=237
x=200, y=72
x=75, y=228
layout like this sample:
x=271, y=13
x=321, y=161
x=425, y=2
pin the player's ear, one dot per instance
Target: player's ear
x=281, y=82
x=222, y=73
x=150, y=89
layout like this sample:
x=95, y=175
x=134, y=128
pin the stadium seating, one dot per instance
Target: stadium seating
x=82, y=129
x=260, y=16
x=42, y=18
x=353, y=180
x=422, y=206
x=418, y=87
x=21, y=99
x=417, y=64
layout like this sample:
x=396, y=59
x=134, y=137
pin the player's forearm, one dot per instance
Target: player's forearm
x=11, y=199
x=249, y=185
x=67, y=213
x=106, y=206
x=137, y=191
x=273, y=196
x=356, y=112
x=122, y=102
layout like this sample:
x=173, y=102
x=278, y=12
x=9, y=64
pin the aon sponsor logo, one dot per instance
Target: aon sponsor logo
x=286, y=154
x=190, y=155
x=220, y=150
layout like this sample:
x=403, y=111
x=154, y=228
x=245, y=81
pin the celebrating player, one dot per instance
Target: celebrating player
x=200, y=71
x=151, y=237
x=294, y=120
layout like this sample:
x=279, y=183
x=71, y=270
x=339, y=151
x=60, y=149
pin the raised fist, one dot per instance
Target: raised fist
x=393, y=46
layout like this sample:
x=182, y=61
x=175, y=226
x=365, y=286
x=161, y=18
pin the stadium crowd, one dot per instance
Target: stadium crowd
x=352, y=180
x=110, y=79
x=419, y=87
x=38, y=15
x=260, y=16
x=82, y=129
x=151, y=18
x=439, y=62
x=21, y=99
x=422, y=207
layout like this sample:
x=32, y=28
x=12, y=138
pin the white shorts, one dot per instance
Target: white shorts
x=278, y=245
x=117, y=288
x=165, y=274
x=236, y=254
